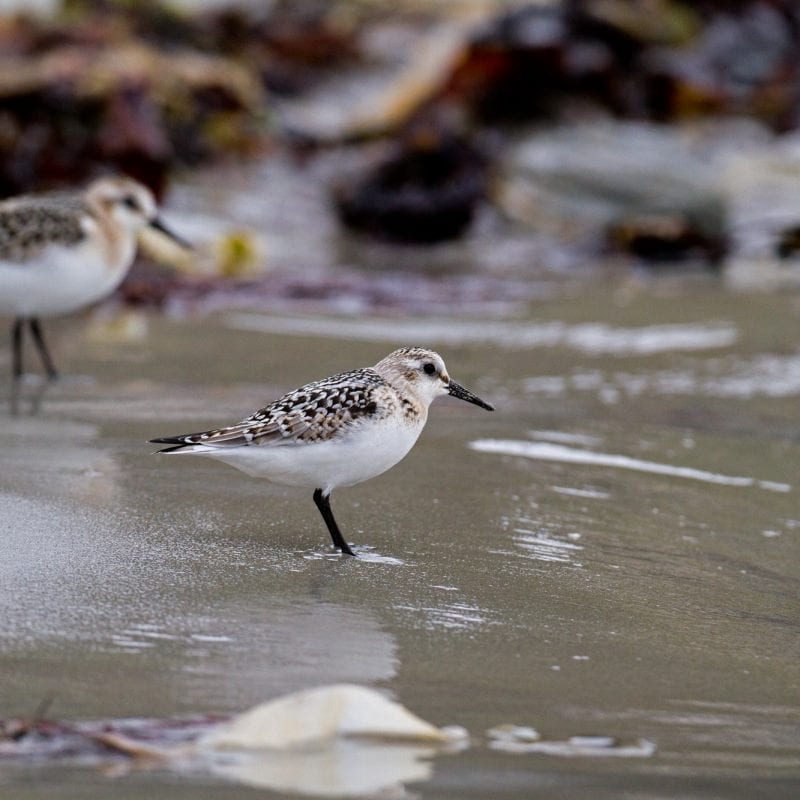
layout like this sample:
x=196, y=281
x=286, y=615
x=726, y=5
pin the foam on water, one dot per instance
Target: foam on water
x=589, y=494
x=578, y=747
x=592, y=338
x=545, y=451
x=763, y=375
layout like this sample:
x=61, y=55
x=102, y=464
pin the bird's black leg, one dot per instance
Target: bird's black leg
x=16, y=347
x=38, y=338
x=323, y=502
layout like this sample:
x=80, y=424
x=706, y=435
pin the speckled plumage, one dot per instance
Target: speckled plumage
x=30, y=223
x=334, y=432
x=317, y=412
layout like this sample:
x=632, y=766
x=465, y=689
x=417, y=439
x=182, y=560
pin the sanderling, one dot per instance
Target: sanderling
x=61, y=251
x=335, y=432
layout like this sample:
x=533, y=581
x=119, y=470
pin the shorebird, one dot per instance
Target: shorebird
x=334, y=432
x=62, y=251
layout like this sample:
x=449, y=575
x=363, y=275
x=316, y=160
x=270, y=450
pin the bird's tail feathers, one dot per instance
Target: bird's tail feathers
x=180, y=444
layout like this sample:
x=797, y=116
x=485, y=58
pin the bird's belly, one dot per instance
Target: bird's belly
x=325, y=465
x=58, y=281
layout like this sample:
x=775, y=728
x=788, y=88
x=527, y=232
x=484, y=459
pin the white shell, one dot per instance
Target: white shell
x=513, y=733
x=322, y=715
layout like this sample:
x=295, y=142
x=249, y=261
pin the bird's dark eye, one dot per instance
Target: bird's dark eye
x=130, y=201
x=429, y=368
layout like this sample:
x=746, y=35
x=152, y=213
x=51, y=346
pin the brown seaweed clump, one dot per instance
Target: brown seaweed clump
x=140, y=88
x=99, y=98
x=661, y=60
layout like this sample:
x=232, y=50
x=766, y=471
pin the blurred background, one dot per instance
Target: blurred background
x=365, y=154
x=592, y=209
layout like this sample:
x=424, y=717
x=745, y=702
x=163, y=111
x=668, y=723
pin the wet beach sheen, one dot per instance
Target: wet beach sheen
x=536, y=583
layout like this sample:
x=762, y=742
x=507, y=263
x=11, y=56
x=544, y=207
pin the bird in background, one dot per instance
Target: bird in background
x=335, y=432
x=62, y=251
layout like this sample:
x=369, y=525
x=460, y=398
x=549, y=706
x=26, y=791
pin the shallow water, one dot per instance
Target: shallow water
x=530, y=566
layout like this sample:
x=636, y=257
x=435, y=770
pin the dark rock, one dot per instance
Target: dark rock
x=788, y=242
x=425, y=190
x=665, y=238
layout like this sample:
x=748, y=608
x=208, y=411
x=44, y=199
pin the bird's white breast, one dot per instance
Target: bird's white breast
x=364, y=452
x=63, y=278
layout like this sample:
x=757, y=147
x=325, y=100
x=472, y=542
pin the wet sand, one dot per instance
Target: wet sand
x=547, y=579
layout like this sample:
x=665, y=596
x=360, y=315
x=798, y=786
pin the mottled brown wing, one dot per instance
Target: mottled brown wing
x=316, y=412
x=29, y=224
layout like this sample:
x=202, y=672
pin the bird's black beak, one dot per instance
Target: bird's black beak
x=464, y=394
x=158, y=225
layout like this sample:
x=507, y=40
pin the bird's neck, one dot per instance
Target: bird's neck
x=117, y=241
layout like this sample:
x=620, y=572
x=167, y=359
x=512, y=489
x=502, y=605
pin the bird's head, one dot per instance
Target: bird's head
x=423, y=373
x=130, y=204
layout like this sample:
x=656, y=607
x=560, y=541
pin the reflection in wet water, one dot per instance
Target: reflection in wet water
x=448, y=616
x=25, y=399
x=364, y=553
x=724, y=729
x=349, y=769
x=89, y=576
x=534, y=542
x=632, y=560
x=64, y=455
